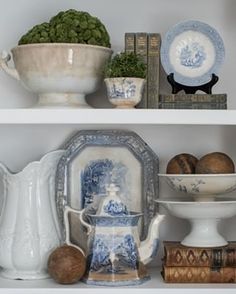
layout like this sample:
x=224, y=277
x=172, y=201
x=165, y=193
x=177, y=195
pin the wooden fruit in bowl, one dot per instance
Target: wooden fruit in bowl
x=215, y=163
x=66, y=264
x=183, y=163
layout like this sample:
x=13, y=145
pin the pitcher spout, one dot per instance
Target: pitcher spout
x=148, y=248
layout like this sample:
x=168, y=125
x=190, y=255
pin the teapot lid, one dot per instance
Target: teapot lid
x=112, y=205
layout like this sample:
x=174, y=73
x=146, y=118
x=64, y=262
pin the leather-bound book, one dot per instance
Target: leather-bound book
x=191, y=274
x=141, y=48
x=191, y=105
x=153, y=72
x=193, y=101
x=129, y=42
x=176, y=254
x=194, y=98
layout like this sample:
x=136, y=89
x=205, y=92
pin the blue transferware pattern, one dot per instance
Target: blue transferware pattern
x=125, y=89
x=192, y=54
x=113, y=254
x=115, y=208
x=98, y=174
x=194, y=187
x=129, y=220
x=202, y=187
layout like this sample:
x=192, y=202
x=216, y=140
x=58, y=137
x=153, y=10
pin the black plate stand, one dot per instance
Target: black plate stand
x=207, y=88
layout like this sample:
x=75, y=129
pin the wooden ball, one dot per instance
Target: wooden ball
x=183, y=163
x=66, y=265
x=215, y=163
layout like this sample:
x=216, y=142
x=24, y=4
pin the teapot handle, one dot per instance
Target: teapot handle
x=88, y=226
x=4, y=58
x=67, y=226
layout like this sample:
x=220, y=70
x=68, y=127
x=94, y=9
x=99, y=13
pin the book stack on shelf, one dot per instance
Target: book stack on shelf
x=182, y=264
x=193, y=101
x=147, y=45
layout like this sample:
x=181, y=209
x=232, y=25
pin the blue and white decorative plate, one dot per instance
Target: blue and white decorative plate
x=96, y=158
x=193, y=51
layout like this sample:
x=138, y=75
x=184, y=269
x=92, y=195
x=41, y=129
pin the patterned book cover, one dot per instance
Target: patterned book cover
x=191, y=105
x=129, y=42
x=177, y=255
x=215, y=98
x=186, y=274
x=141, y=49
x=153, y=73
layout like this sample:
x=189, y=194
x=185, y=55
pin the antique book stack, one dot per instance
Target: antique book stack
x=193, y=101
x=183, y=264
x=148, y=47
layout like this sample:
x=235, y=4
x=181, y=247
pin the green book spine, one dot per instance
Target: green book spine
x=129, y=42
x=141, y=49
x=153, y=72
x=191, y=105
x=210, y=98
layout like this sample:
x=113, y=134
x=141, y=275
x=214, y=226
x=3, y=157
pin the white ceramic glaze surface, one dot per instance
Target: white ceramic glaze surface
x=201, y=187
x=61, y=74
x=124, y=92
x=29, y=228
x=204, y=218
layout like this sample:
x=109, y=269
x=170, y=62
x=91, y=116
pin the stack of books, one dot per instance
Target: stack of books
x=183, y=264
x=193, y=101
x=148, y=47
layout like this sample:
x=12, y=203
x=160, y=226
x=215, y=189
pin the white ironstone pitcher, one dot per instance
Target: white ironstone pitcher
x=29, y=229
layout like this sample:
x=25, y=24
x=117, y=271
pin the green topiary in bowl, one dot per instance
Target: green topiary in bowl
x=69, y=26
x=62, y=60
x=125, y=79
x=125, y=65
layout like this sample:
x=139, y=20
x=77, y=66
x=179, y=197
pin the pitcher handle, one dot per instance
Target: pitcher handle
x=4, y=58
x=67, y=226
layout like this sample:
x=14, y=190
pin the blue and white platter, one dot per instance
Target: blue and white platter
x=95, y=158
x=192, y=51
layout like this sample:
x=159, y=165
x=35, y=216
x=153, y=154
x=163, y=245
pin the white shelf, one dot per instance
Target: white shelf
x=118, y=116
x=154, y=286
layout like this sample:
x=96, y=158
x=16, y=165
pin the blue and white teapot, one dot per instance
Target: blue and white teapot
x=115, y=254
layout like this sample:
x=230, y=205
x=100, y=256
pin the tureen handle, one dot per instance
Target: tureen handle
x=67, y=226
x=4, y=58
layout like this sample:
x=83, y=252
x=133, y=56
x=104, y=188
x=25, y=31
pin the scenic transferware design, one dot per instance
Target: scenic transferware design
x=192, y=51
x=98, y=174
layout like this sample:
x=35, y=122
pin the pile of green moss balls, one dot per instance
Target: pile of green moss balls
x=69, y=26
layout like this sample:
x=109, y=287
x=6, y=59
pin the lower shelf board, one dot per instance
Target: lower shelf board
x=156, y=283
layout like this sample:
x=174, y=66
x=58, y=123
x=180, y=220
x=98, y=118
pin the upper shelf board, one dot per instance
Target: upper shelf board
x=118, y=116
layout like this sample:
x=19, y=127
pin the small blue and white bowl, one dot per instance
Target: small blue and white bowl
x=124, y=92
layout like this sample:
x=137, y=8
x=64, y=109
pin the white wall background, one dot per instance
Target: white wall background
x=21, y=144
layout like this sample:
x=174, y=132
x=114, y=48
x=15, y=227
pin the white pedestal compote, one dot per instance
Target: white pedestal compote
x=205, y=210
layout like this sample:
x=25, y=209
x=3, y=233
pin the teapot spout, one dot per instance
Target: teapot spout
x=148, y=248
